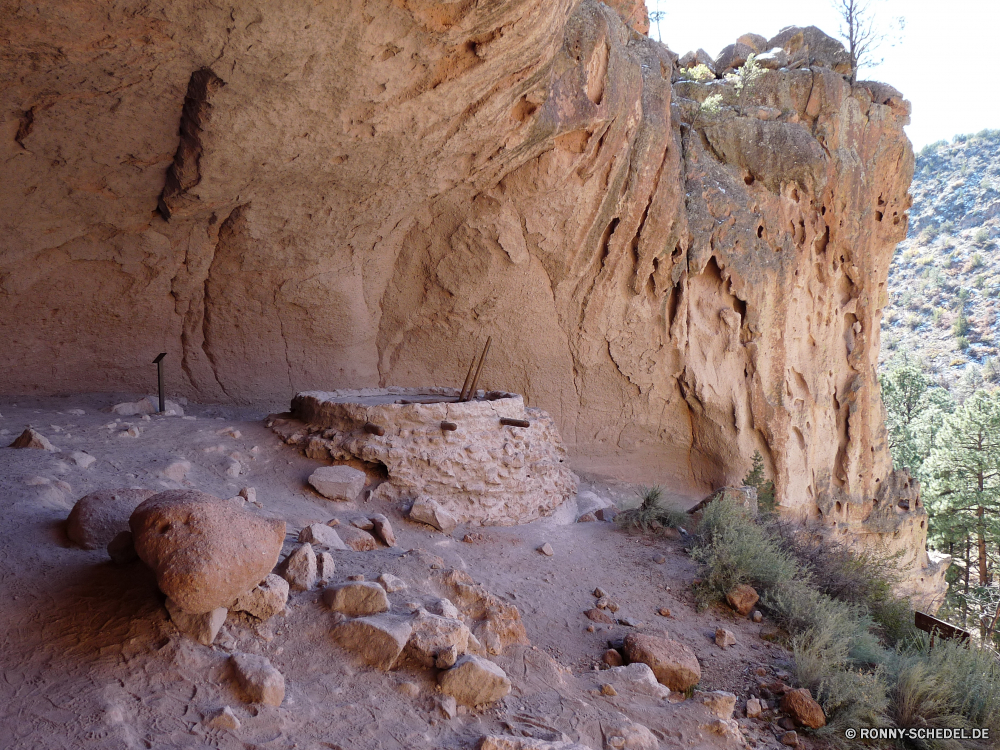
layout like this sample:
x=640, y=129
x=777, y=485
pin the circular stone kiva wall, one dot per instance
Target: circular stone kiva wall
x=490, y=461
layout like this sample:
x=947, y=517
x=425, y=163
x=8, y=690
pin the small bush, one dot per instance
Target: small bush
x=961, y=325
x=976, y=261
x=948, y=227
x=981, y=237
x=699, y=73
x=962, y=343
x=652, y=511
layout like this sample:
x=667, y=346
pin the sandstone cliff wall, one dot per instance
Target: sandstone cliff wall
x=340, y=195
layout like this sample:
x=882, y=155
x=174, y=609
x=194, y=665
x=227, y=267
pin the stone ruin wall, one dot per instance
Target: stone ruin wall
x=358, y=193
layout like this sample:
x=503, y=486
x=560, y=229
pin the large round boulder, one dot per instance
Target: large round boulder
x=99, y=517
x=205, y=551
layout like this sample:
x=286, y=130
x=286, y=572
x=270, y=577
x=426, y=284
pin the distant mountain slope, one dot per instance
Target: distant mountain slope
x=944, y=282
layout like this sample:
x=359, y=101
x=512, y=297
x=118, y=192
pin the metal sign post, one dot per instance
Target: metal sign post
x=159, y=379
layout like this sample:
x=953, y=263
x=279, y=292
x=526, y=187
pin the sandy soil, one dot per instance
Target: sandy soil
x=91, y=660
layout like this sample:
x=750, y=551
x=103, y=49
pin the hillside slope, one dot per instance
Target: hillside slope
x=944, y=282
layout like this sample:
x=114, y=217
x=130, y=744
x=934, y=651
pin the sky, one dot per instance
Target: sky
x=945, y=63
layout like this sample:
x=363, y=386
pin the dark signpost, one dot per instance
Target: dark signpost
x=159, y=379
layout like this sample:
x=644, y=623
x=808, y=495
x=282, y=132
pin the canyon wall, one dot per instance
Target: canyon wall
x=339, y=195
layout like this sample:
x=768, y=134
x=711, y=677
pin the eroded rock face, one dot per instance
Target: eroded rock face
x=675, y=295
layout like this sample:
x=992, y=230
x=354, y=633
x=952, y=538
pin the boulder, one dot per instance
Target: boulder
x=733, y=56
x=474, y=681
x=546, y=549
x=356, y=539
x=266, y=600
x=598, y=615
x=800, y=705
x=99, y=517
x=812, y=46
x=377, y=640
x=383, y=530
x=790, y=739
x=121, y=549
x=356, y=599
x=203, y=627
x=259, y=681
x=673, y=663
x=224, y=719
x=446, y=657
x=426, y=510
x=636, y=678
x=724, y=638
x=32, y=439
x=391, y=583
x=756, y=42
x=205, y=552
x=754, y=708
x=742, y=598
x=773, y=59
x=719, y=702
x=433, y=634
x=338, y=482
x=81, y=459
x=694, y=59
x=606, y=514
x=322, y=536
x=300, y=568
x=325, y=567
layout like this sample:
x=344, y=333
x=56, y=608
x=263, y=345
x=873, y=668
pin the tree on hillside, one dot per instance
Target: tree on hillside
x=861, y=30
x=915, y=410
x=963, y=470
x=655, y=16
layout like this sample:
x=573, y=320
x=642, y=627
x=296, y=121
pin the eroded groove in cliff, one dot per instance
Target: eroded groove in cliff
x=185, y=171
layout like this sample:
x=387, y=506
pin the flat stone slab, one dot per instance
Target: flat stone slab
x=338, y=482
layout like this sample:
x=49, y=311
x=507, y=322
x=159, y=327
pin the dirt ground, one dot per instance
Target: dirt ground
x=90, y=658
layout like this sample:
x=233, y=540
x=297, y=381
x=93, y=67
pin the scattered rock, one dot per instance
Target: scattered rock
x=636, y=678
x=546, y=549
x=606, y=514
x=630, y=622
x=659, y=559
x=356, y=577
x=757, y=616
x=383, y=530
x=377, y=640
x=791, y=739
x=300, y=569
x=356, y=539
x=448, y=706
x=205, y=552
x=607, y=689
x=177, y=471
x=99, y=517
x=266, y=600
x=202, y=627
x=224, y=719
x=474, y=681
x=742, y=598
x=598, y=615
x=409, y=689
x=673, y=663
x=602, y=603
x=613, y=658
x=260, y=681
x=323, y=536
x=446, y=657
x=148, y=405
x=773, y=59
x=250, y=495
x=338, y=482
x=356, y=598
x=359, y=522
x=786, y=723
x=754, y=708
x=733, y=56
x=724, y=638
x=444, y=607
x=392, y=583
x=613, y=605
x=663, y=612
x=325, y=567
x=426, y=510
x=719, y=702
x=81, y=459
x=587, y=518
x=32, y=439
x=432, y=634
x=599, y=592
x=799, y=704
x=231, y=432
x=121, y=549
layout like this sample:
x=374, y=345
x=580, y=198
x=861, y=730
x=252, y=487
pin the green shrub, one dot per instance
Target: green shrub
x=699, y=73
x=948, y=227
x=962, y=343
x=961, y=325
x=764, y=486
x=976, y=261
x=652, y=512
x=981, y=237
